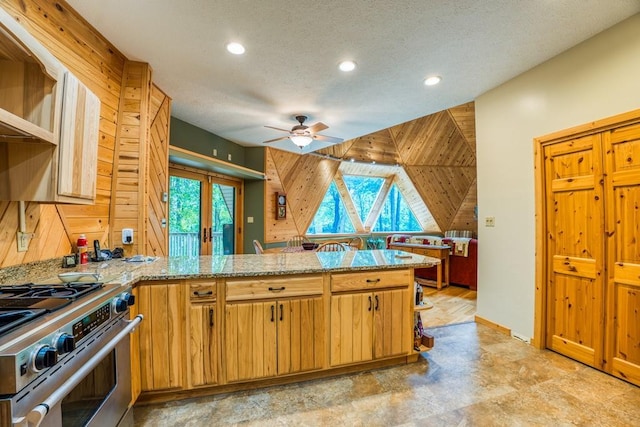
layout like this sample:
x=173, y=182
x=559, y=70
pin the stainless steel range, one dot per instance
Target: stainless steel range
x=64, y=354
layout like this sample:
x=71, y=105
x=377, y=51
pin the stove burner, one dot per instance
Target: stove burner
x=72, y=290
x=13, y=318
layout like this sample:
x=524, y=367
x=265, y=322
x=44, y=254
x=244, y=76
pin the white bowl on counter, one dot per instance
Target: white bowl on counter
x=74, y=276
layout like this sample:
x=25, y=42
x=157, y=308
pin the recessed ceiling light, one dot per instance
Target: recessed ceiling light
x=235, y=48
x=347, y=66
x=433, y=80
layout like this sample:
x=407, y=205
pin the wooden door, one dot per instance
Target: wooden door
x=391, y=335
x=575, y=243
x=161, y=336
x=300, y=335
x=250, y=340
x=203, y=344
x=623, y=252
x=77, y=170
x=351, y=328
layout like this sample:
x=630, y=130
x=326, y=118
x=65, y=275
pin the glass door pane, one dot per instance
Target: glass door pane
x=223, y=202
x=184, y=216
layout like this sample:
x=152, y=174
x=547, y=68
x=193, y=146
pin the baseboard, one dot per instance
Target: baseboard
x=493, y=325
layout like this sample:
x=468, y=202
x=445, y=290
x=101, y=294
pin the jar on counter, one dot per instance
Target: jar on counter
x=83, y=253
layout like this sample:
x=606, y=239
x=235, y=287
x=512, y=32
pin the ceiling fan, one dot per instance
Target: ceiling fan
x=302, y=135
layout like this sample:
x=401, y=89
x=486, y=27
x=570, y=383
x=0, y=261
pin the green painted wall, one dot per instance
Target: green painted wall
x=193, y=138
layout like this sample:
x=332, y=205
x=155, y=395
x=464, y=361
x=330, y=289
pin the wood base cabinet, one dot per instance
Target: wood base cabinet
x=589, y=182
x=265, y=339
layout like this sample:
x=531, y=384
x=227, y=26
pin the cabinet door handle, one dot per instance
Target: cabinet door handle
x=281, y=288
x=272, y=313
x=281, y=312
x=373, y=280
x=377, y=303
x=211, y=317
x=369, y=302
x=204, y=235
x=202, y=294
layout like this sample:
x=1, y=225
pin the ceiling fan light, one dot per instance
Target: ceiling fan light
x=235, y=48
x=347, y=66
x=433, y=80
x=301, y=140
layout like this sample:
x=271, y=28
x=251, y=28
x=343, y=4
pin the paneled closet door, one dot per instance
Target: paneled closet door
x=623, y=252
x=575, y=243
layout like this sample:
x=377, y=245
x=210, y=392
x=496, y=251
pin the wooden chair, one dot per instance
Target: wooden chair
x=331, y=246
x=258, y=247
x=297, y=241
x=356, y=243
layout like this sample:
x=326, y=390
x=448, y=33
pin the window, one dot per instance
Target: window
x=395, y=214
x=331, y=217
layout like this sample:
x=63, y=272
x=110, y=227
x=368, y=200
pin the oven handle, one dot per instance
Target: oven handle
x=37, y=414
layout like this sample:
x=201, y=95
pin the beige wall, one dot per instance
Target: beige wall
x=596, y=79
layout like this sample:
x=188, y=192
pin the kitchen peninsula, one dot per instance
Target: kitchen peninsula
x=223, y=323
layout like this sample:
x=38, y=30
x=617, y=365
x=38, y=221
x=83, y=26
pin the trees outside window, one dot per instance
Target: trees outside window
x=331, y=217
x=395, y=214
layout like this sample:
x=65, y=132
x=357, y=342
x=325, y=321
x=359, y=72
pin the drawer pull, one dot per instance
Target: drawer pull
x=373, y=280
x=281, y=288
x=202, y=294
x=211, y=317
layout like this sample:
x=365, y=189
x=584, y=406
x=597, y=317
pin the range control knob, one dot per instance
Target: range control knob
x=65, y=343
x=131, y=299
x=120, y=305
x=45, y=357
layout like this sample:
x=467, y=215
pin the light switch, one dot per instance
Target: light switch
x=229, y=157
x=249, y=220
x=215, y=152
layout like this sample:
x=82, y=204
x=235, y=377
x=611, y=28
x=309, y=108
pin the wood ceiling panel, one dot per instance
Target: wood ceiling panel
x=466, y=219
x=276, y=230
x=284, y=160
x=367, y=169
x=464, y=117
x=432, y=140
x=305, y=185
x=376, y=147
x=443, y=189
x=338, y=150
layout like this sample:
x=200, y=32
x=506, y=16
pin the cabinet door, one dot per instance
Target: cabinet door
x=78, y=159
x=623, y=283
x=161, y=336
x=391, y=335
x=575, y=243
x=351, y=328
x=250, y=340
x=300, y=335
x=203, y=344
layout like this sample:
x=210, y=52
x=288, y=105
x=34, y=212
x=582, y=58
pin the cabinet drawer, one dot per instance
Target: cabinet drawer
x=202, y=291
x=369, y=280
x=259, y=288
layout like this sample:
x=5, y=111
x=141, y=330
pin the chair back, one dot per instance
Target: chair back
x=297, y=241
x=258, y=247
x=331, y=246
x=356, y=243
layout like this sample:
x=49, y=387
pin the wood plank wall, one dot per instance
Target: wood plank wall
x=99, y=65
x=437, y=155
x=157, y=178
x=128, y=210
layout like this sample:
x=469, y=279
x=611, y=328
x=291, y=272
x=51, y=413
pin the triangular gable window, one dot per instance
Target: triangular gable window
x=363, y=191
x=331, y=217
x=395, y=214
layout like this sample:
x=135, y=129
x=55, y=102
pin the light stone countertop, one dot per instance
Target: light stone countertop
x=203, y=267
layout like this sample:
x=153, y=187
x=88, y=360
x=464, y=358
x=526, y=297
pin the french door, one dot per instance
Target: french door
x=204, y=213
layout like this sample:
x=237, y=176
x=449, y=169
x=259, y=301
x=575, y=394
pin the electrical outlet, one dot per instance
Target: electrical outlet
x=249, y=220
x=23, y=241
x=490, y=221
x=127, y=236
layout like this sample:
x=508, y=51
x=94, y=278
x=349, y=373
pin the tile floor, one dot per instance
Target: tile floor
x=474, y=376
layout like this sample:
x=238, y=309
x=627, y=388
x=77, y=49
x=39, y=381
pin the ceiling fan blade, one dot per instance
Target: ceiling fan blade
x=275, y=139
x=318, y=127
x=325, y=138
x=283, y=130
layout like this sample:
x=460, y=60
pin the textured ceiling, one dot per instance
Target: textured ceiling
x=293, y=48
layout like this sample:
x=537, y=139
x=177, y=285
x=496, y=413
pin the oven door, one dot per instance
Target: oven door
x=93, y=388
